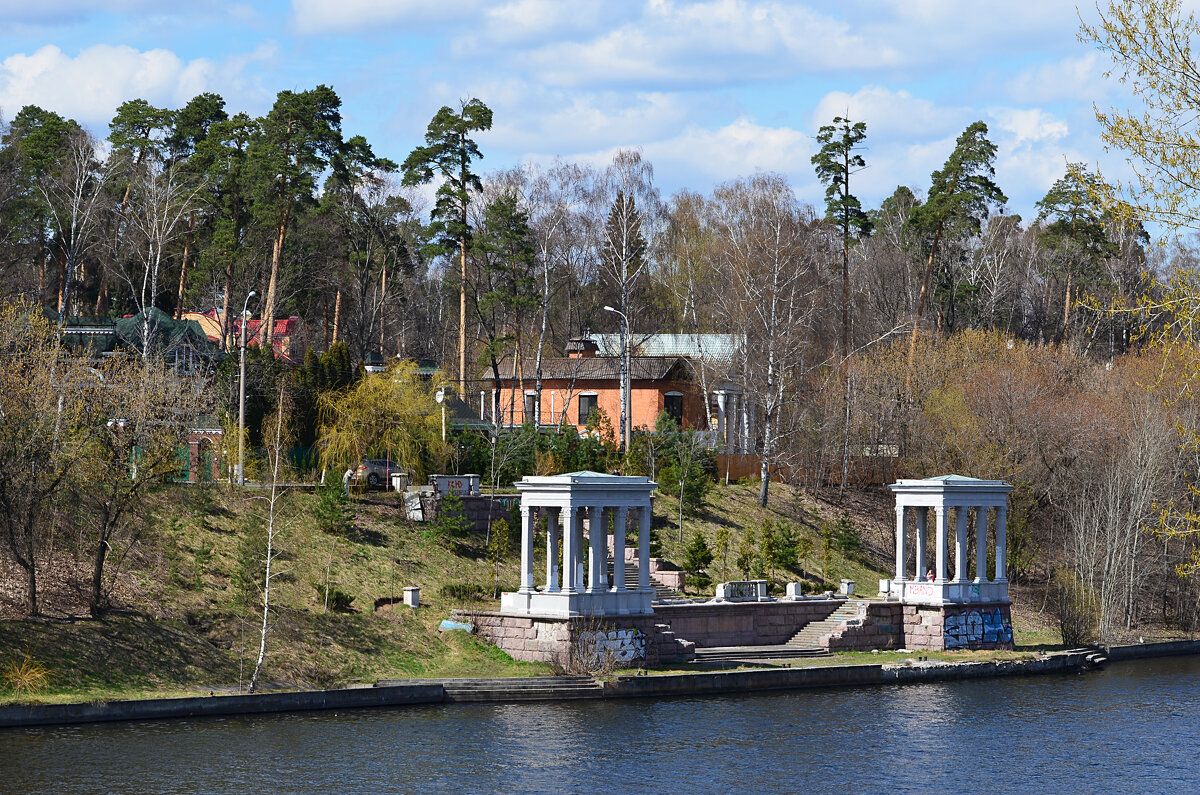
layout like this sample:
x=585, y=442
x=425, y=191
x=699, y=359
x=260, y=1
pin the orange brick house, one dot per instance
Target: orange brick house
x=286, y=335
x=584, y=381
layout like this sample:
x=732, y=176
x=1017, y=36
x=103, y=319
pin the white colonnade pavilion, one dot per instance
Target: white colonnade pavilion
x=962, y=498
x=582, y=588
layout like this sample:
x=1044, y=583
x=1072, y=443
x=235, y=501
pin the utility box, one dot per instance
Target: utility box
x=846, y=588
x=458, y=485
x=412, y=596
x=400, y=481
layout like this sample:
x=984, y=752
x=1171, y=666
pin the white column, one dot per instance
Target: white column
x=570, y=549
x=580, y=557
x=1001, y=543
x=981, y=513
x=619, y=549
x=553, y=531
x=901, y=537
x=721, y=422
x=960, y=544
x=942, y=531
x=644, y=548
x=922, y=539
x=526, y=550
x=597, y=563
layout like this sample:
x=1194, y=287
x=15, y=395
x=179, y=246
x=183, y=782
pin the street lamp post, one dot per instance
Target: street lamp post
x=626, y=376
x=440, y=397
x=240, y=473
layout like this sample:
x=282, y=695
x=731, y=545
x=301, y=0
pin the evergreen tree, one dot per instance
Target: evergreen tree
x=1076, y=231
x=959, y=197
x=448, y=153
x=291, y=148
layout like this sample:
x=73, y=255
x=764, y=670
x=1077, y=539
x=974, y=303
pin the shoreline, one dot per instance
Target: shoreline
x=412, y=692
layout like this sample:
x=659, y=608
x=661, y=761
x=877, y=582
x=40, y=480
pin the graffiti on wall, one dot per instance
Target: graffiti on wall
x=614, y=645
x=971, y=628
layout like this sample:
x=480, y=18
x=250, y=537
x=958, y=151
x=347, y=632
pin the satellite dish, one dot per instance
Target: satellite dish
x=440, y=395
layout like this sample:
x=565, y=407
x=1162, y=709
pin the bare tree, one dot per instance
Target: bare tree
x=274, y=452
x=162, y=202
x=74, y=194
x=770, y=269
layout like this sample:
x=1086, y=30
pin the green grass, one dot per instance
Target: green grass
x=188, y=627
x=736, y=507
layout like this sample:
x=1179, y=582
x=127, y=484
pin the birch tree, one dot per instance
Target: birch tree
x=275, y=451
x=162, y=203
x=773, y=286
x=74, y=194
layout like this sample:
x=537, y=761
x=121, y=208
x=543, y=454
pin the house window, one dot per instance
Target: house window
x=531, y=408
x=673, y=405
x=587, y=405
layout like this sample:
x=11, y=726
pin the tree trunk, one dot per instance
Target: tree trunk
x=1067, y=310
x=183, y=267
x=765, y=467
x=268, y=313
x=337, y=315
x=912, y=342
x=462, y=311
x=97, y=606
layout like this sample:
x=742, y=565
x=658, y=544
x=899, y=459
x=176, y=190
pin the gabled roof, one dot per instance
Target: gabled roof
x=606, y=368
x=710, y=347
x=168, y=335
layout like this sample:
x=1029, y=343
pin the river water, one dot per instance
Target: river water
x=1133, y=727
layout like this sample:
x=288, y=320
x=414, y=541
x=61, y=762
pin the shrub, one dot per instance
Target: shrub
x=1076, y=607
x=335, y=600
x=26, y=677
x=450, y=521
x=333, y=509
x=697, y=555
x=462, y=591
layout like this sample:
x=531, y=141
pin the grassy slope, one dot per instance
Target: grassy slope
x=185, y=626
x=736, y=506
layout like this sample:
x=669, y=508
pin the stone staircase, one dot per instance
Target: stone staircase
x=673, y=647
x=661, y=592
x=809, y=636
x=538, y=688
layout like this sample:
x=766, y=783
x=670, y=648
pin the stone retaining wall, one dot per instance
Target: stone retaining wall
x=951, y=627
x=882, y=627
x=743, y=623
x=479, y=511
x=619, y=641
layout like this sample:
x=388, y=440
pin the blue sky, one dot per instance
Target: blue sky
x=709, y=90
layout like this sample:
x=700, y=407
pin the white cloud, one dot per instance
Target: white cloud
x=1027, y=126
x=1068, y=79
x=888, y=114
x=58, y=11
x=90, y=86
x=340, y=16
x=698, y=155
x=720, y=42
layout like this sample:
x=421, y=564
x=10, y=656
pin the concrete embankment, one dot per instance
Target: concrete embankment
x=212, y=706
x=1142, y=651
x=392, y=693
x=837, y=676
